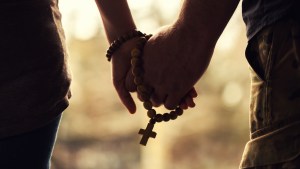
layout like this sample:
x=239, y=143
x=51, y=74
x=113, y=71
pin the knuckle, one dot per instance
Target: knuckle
x=170, y=106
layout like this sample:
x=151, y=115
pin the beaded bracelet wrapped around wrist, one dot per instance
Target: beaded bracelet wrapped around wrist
x=145, y=93
x=115, y=45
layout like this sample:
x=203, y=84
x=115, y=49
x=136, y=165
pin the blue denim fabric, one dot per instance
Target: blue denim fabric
x=30, y=150
x=260, y=13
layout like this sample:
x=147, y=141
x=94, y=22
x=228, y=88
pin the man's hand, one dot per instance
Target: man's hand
x=178, y=55
x=174, y=60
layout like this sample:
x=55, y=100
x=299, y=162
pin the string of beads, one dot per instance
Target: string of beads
x=115, y=45
x=145, y=92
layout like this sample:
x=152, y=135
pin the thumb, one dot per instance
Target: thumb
x=129, y=82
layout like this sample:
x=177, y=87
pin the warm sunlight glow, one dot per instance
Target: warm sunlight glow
x=98, y=132
x=232, y=94
x=80, y=18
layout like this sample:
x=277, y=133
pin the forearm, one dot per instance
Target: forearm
x=116, y=17
x=206, y=19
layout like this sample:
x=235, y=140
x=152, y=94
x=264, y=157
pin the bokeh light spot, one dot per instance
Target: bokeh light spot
x=232, y=94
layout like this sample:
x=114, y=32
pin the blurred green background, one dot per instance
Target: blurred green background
x=97, y=132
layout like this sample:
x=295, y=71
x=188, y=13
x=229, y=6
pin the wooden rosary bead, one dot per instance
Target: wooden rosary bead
x=152, y=121
x=140, y=45
x=151, y=113
x=139, y=33
x=166, y=117
x=173, y=115
x=147, y=105
x=147, y=36
x=135, y=52
x=138, y=81
x=108, y=56
x=158, y=117
x=131, y=35
x=179, y=111
x=136, y=71
x=109, y=51
x=136, y=62
x=145, y=96
x=120, y=40
x=145, y=92
x=143, y=40
x=114, y=45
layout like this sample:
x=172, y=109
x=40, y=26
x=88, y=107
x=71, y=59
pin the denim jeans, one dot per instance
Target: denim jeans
x=31, y=150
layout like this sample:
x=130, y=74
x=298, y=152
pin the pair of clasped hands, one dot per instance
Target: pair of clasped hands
x=175, y=57
x=172, y=63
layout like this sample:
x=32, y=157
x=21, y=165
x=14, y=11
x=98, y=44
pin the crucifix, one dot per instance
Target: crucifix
x=147, y=133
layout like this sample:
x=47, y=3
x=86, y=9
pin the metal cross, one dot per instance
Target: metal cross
x=147, y=133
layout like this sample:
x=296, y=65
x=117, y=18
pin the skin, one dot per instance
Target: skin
x=181, y=52
x=117, y=21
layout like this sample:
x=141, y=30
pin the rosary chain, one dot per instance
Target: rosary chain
x=145, y=91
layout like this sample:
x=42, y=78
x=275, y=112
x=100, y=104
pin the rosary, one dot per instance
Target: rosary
x=143, y=90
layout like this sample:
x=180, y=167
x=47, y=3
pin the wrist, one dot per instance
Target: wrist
x=206, y=19
x=113, y=32
x=198, y=46
x=116, y=44
x=193, y=34
x=116, y=18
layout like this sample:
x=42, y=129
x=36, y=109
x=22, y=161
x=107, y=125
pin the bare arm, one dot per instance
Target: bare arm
x=116, y=17
x=206, y=18
x=117, y=21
